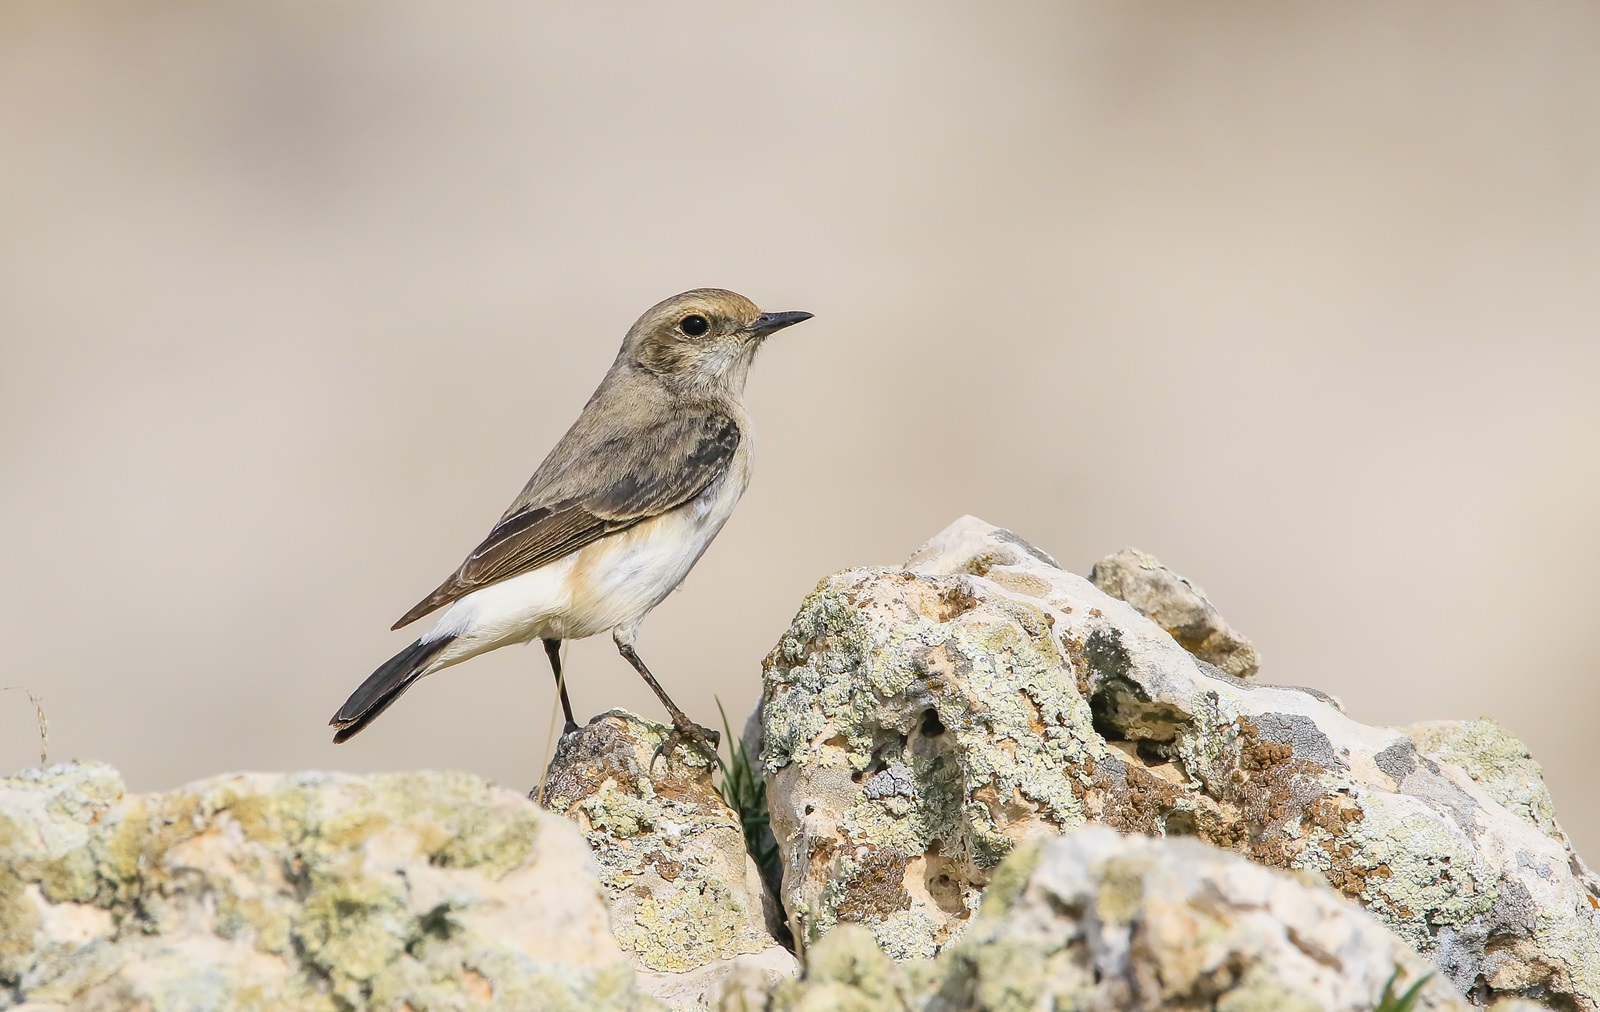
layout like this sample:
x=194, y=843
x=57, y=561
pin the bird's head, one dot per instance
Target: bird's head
x=703, y=339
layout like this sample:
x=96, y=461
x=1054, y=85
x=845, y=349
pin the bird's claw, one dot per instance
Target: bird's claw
x=689, y=733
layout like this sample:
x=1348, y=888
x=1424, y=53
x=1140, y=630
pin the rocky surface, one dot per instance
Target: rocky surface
x=919, y=723
x=1098, y=921
x=1178, y=606
x=310, y=891
x=687, y=902
x=947, y=748
x=1497, y=762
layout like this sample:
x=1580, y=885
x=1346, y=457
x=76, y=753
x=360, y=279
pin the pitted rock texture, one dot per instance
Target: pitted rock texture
x=687, y=902
x=308, y=891
x=1178, y=606
x=1025, y=703
x=1106, y=923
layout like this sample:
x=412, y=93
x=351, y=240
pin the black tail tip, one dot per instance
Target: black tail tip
x=346, y=724
x=383, y=687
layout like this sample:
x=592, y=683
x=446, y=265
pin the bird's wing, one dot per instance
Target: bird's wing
x=632, y=477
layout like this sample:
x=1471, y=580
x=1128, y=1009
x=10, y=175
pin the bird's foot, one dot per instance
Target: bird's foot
x=688, y=733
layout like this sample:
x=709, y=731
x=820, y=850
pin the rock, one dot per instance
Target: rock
x=687, y=902
x=1025, y=703
x=1497, y=762
x=308, y=891
x=1099, y=921
x=846, y=971
x=1105, y=921
x=1176, y=605
x=736, y=982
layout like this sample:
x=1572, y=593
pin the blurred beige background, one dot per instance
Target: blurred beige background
x=1305, y=299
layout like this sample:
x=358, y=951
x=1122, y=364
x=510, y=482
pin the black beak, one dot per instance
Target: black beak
x=768, y=323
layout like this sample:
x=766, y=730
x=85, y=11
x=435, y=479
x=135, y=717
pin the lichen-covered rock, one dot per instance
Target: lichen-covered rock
x=1106, y=923
x=1103, y=921
x=687, y=902
x=308, y=891
x=919, y=723
x=1176, y=605
x=1497, y=762
x=846, y=971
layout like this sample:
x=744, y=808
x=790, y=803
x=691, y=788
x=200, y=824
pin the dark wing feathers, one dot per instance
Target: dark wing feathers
x=668, y=479
x=532, y=539
x=633, y=480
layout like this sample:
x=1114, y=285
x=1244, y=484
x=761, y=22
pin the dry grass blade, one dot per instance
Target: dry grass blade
x=550, y=736
x=39, y=715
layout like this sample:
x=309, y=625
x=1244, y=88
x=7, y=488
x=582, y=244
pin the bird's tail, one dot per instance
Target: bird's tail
x=384, y=686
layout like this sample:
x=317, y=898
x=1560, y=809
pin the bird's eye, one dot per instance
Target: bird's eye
x=694, y=325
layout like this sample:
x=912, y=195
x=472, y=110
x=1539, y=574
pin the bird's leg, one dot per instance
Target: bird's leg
x=552, y=649
x=682, y=726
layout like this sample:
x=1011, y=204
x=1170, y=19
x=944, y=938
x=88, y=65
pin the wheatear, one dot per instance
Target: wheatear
x=617, y=514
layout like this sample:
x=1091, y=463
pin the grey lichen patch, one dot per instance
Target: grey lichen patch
x=896, y=781
x=1304, y=738
x=310, y=891
x=1398, y=760
x=671, y=853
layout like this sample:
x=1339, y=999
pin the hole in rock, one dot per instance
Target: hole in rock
x=1153, y=753
x=931, y=726
x=944, y=881
x=1123, y=711
x=1179, y=824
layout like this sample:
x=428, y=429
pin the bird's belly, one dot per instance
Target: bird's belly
x=511, y=611
x=612, y=582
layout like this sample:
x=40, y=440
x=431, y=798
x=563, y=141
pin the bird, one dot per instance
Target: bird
x=614, y=518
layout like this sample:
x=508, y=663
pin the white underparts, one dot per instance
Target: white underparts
x=610, y=583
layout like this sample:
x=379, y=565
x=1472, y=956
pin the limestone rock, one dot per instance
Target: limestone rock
x=739, y=982
x=1176, y=605
x=1497, y=762
x=1008, y=700
x=308, y=891
x=687, y=902
x=1103, y=921
x=1106, y=923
